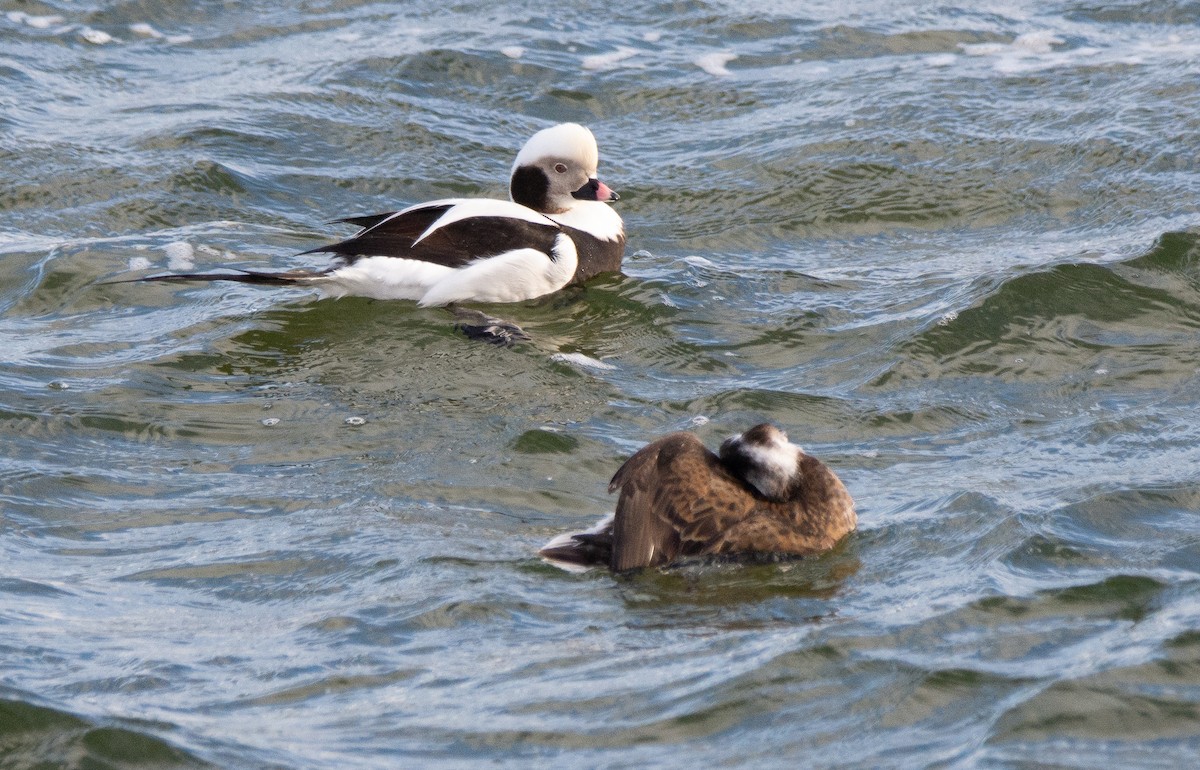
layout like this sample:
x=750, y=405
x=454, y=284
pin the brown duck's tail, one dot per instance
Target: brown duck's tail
x=290, y=278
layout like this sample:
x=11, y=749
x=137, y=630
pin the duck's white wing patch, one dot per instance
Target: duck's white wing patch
x=468, y=208
x=513, y=276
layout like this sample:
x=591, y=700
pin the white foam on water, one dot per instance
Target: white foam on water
x=96, y=36
x=1028, y=52
x=180, y=255
x=145, y=30
x=139, y=263
x=652, y=37
x=37, y=22
x=513, y=51
x=714, y=63
x=947, y=318
x=585, y=361
x=1047, y=49
x=604, y=61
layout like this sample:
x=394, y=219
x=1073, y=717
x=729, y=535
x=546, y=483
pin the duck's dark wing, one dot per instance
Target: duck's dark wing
x=451, y=233
x=676, y=500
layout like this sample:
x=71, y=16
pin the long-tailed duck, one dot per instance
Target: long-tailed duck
x=556, y=230
x=761, y=495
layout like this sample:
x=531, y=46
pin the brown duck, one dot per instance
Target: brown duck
x=760, y=495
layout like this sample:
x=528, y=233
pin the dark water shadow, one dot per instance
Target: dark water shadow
x=1052, y=322
x=38, y=736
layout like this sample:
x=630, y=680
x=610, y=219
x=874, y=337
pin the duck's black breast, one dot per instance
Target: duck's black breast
x=596, y=255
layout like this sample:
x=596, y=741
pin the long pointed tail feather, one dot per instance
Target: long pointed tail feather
x=290, y=278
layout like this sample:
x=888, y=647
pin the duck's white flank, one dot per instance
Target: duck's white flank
x=513, y=276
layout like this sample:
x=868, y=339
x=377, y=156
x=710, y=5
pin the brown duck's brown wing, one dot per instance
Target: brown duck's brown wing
x=676, y=498
x=819, y=514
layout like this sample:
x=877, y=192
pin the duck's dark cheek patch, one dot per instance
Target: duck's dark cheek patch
x=530, y=187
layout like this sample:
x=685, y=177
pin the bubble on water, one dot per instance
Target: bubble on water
x=699, y=420
x=355, y=421
x=269, y=421
x=513, y=51
x=58, y=385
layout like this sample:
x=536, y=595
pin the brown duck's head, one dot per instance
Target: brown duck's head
x=765, y=459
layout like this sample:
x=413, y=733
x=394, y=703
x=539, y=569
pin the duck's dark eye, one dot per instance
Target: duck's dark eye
x=560, y=168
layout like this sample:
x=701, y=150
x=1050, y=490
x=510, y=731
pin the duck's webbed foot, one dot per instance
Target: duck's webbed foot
x=485, y=328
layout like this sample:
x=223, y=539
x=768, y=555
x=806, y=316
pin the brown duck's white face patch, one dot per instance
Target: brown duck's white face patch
x=765, y=458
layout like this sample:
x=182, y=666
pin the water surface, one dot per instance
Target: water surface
x=953, y=250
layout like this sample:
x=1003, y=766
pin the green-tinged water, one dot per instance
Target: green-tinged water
x=953, y=250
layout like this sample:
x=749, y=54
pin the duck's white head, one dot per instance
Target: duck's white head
x=764, y=458
x=556, y=168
